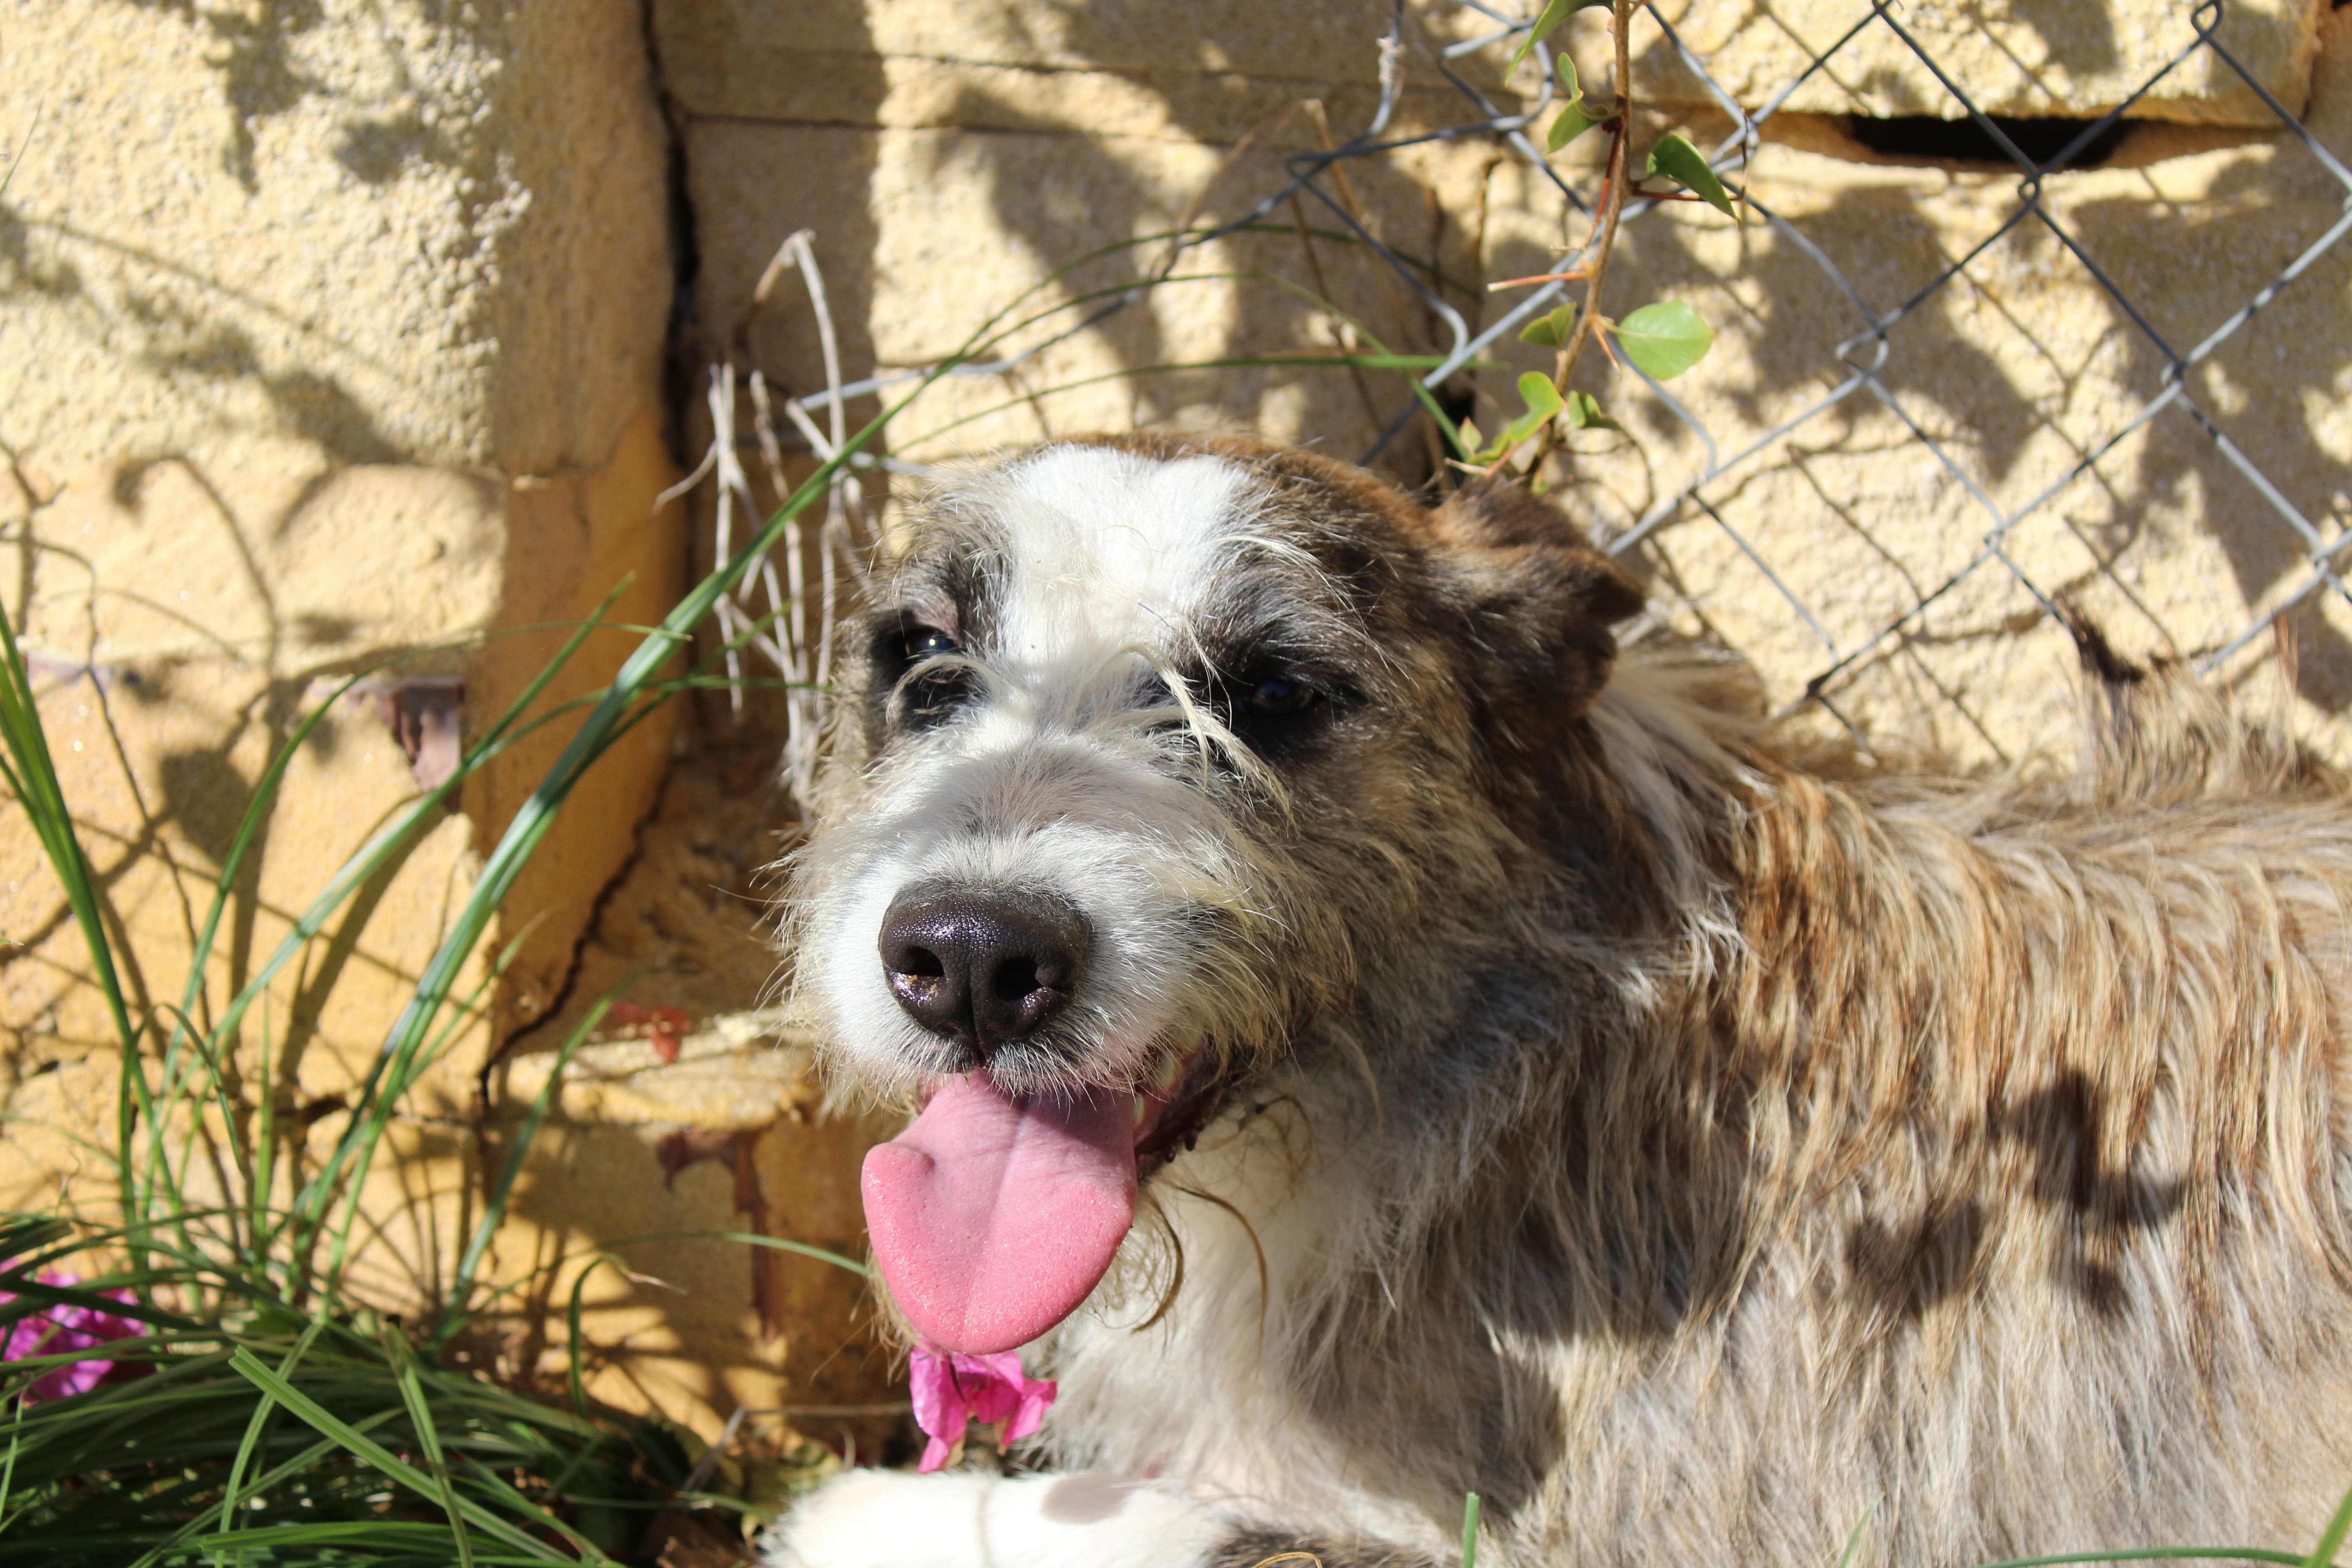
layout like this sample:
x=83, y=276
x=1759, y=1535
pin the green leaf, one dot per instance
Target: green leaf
x=1550, y=331
x=1554, y=13
x=1565, y=69
x=1568, y=124
x=1542, y=399
x=1664, y=340
x=1584, y=413
x=461, y=1291
x=1685, y=165
x=1539, y=394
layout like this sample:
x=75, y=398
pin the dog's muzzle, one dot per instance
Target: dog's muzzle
x=996, y=1213
x=982, y=967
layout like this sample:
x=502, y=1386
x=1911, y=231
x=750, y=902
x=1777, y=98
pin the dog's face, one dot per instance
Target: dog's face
x=1148, y=754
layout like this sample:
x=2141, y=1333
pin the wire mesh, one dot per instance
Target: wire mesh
x=1866, y=354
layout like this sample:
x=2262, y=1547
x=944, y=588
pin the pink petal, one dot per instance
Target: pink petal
x=1036, y=1398
x=941, y=1407
x=992, y=1384
x=61, y=1330
x=950, y=1390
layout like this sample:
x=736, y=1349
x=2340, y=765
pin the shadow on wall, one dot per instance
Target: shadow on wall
x=175, y=340
x=939, y=187
x=156, y=864
x=2020, y=370
x=926, y=221
x=255, y=50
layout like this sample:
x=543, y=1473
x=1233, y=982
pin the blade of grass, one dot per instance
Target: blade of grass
x=8, y=1470
x=232, y=866
x=506, y=1494
x=263, y=1411
x=1470, y=1530
x=189, y=1108
x=360, y=867
x=1854, y=1536
x=366, y=1449
x=306, y=1460
x=428, y=1436
x=310, y=1201
x=777, y=1243
x=2323, y=1553
x=32, y=777
x=265, y=1156
x=453, y=1315
x=34, y=1295
x=470, y=1007
x=19, y=1235
x=572, y=1339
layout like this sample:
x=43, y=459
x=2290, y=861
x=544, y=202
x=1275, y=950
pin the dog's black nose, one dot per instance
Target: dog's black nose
x=982, y=967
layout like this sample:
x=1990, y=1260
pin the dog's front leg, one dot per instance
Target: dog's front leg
x=881, y=1518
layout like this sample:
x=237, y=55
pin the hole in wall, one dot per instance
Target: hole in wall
x=1924, y=142
x=1926, y=137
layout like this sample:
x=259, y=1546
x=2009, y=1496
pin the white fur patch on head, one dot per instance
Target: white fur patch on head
x=1108, y=547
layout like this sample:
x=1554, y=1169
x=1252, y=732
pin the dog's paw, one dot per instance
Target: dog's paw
x=882, y=1519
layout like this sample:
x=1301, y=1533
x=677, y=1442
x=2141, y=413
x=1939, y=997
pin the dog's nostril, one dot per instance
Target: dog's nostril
x=1016, y=978
x=982, y=967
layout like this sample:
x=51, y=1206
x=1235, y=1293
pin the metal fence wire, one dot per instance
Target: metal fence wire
x=1864, y=365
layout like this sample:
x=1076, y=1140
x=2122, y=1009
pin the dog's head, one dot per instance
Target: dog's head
x=1149, y=752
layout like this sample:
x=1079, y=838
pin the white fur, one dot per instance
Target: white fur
x=1108, y=549
x=874, y=1518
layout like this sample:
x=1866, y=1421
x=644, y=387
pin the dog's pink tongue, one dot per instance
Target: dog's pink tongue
x=993, y=1217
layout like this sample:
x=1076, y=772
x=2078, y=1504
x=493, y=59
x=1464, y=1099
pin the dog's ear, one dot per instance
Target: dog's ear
x=1537, y=600
x=1502, y=511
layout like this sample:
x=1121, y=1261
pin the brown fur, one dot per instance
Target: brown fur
x=1695, y=1150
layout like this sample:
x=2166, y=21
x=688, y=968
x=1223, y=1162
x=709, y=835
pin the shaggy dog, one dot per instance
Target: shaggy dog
x=1381, y=1045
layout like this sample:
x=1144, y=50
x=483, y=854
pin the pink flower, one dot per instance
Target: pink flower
x=953, y=1389
x=58, y=1330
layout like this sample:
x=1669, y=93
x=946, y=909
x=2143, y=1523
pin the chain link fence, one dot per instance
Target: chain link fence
x=1871, y=339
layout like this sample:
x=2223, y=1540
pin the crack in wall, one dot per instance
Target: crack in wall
x=681, y=363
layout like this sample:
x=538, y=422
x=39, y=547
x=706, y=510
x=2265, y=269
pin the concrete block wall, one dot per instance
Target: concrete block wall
x=331, y=333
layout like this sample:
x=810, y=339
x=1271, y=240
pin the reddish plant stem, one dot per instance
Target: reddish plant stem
x=1613, y=186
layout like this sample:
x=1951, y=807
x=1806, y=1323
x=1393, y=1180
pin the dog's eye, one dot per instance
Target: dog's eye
x=1273, y=708
x=911, y=695
x=923, y=642
x=1282, y=696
